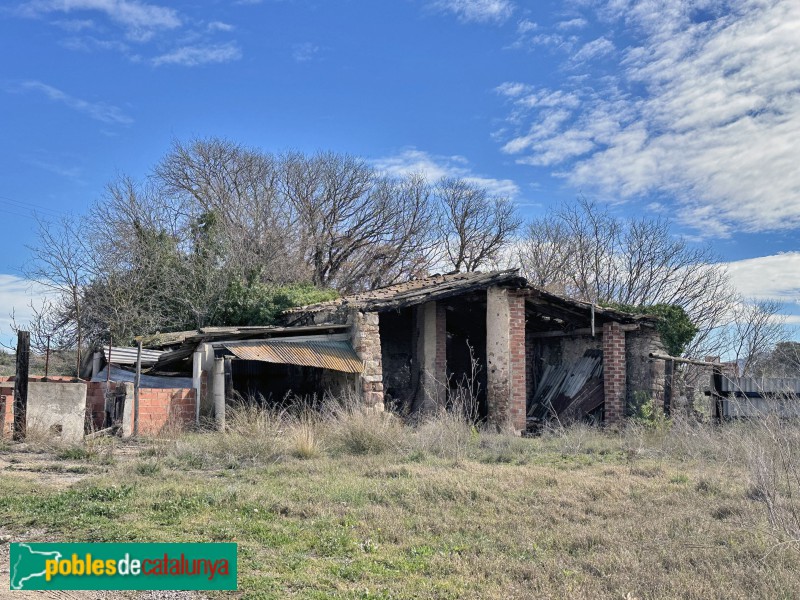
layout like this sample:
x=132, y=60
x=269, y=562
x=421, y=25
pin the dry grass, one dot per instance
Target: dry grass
x=353, y=504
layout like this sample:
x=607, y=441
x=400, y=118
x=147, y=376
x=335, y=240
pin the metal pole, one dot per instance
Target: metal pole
x=108, y=400
x=136, y=385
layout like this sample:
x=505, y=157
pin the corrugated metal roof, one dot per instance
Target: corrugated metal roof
x=757, y=385
x=335, y=356
x=146, y=381
x=127, y=356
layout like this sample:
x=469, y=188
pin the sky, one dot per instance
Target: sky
x=683, y=109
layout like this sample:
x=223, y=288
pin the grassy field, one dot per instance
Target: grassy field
x=363, y=507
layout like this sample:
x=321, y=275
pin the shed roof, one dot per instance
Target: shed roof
x=332, y=355
x=439, y=287
x=418, y=291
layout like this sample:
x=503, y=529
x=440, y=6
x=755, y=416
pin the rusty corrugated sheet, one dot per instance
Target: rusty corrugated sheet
x=336, y=356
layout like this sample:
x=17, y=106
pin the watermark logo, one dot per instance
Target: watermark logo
x=44, y=566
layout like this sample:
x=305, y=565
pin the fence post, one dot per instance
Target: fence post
x=21, y=385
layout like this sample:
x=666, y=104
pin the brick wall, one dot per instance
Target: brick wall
x=614, y=372
x=8, y=411
x=367, y=345
x=165, y=408
x=158, y=408
x=505, y=358
x=440, y=361
x=96, y=403
x=518, y=360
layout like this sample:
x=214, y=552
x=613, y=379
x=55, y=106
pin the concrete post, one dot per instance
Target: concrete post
x=197, y=367
x=96, y=363
x=219, y=393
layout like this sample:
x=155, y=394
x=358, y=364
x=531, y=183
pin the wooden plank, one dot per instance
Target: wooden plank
x=557, y=334
x=21, y=385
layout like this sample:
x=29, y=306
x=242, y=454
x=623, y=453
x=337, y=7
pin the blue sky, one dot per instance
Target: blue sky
x=684, y=109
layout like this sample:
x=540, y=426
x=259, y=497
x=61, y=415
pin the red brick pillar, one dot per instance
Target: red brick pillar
x=614, y=372
x=505, y=352
x=519, y=388
x=441, y=342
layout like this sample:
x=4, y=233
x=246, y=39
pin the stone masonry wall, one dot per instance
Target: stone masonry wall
x=366, y=341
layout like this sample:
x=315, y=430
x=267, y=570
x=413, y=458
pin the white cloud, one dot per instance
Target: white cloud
x=413, y=161
x=576, y=23
x=304, y=52
x=220, y=26
x=16, y=295
x=99, y=111
x=594, y=49
x=704, y=108
x=775, y=277
x=477, y=11
x=192, y=56
x=139, y=19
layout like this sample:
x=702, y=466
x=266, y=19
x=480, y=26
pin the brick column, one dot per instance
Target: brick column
x=614, y=372
x=367, y=344
x=440, y=361
x=431, y=356
x=505, y=354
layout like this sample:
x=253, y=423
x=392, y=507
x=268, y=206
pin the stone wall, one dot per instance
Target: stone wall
x=366, y=340
x=645, y=376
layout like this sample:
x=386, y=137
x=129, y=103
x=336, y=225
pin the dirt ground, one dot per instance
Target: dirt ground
x=60, y=473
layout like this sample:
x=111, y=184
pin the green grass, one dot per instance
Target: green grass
x=581, y=515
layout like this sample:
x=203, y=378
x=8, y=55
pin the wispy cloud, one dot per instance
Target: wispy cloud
x=73, y=173
x=594, y=49
x=16, y=295
x=413, y=161
x=193, y=56
x=576, y=23
x=703, y=110
x=220, y=26
x=774, y=277
x=139, y=19
x=304, y=52
x=477, y=11
x=100, y=111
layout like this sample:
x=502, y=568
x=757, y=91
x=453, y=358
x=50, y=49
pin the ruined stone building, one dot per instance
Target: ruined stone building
x=520, y=354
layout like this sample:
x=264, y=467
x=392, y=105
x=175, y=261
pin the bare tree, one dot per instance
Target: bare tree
x=755, y=329
x=474, y=226
x=357, y=228
x=238, y=190
x=62, y=264
x=585, y=252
